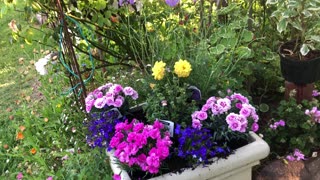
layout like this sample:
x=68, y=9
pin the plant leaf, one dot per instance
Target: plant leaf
x=217, y=49
x=282, y=25
x=247, y=35
x=264, y=107
x=315, y=38
x=304, y=49
x=243, y=52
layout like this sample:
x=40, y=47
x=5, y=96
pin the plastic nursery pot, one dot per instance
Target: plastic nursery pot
x=299, y=72
x=237, y=166
x=302, y=92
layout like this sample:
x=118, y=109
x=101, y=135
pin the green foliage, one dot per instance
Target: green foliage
x=170, y=100
x=300, y=20
x=300, y=131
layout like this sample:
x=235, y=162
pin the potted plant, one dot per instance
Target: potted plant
x=300, y=55
x=207, y=139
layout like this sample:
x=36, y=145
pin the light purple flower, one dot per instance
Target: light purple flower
x=231, y=117
x=110, y=101
x=205, y=107
x=239, y=105
x=116, y=88
x=224, y=104
x=211, y=100
x=235, y=125
x=315, y=93
x=100, y=102
x=196, y=124
x=89, y=105
x=49, y=178
x=118, y=102
x=290, y=158
x=240, y=97
x=299, y=155
x=201, y=115
x=282, y=123
x=172, y=3
x=255, y=127
x=128, y=91
x=245, y=111
x=135, y=96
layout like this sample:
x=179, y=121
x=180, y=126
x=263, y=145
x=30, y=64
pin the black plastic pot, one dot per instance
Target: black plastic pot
x=299, y=71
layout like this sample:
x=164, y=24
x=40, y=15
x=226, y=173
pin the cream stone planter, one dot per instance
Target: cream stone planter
x=237, y=166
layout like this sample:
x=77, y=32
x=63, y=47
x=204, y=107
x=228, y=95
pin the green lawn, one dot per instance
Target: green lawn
x=17, y=75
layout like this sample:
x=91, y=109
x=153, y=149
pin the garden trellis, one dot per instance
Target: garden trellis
x=68, y=57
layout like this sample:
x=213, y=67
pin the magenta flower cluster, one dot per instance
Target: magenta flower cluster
x=275, y=125
x=297, y=156
x=109, y=95
x=145, y=146
x=314, y=113
x=234, y=109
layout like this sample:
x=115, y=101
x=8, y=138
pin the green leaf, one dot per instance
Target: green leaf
x=264, y=107
x=272, y=1
x=243, y=52
x=304, y=49
x=282, y=25
x=247, y=36
x=315, y=38
x=217, y=49
x=296, y=25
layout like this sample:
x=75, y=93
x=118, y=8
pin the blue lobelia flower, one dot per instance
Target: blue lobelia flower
x=172, y=3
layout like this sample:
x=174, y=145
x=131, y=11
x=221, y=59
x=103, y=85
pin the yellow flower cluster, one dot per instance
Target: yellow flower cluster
x=158, y=70
x=182, y=68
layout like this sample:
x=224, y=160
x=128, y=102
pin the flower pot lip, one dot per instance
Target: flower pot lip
x=288, y=58
x=249, y=154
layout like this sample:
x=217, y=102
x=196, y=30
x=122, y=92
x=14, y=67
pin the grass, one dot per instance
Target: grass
x=48, y=124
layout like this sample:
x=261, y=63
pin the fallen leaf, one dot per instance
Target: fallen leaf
x=25, y=72
x=11, y=117
x=18, y=102
x=35, y=51
x=5, y=146
x=28, y=98
x=21, y=60
x=8, y=109
x=45, y=119
x=46, y=52
x=32, y=62
x=50, y=80
x=22, y=46
x=41, y=50
x=54, y=57
x=22, y=128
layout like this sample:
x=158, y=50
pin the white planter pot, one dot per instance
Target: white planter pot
x=237, y=166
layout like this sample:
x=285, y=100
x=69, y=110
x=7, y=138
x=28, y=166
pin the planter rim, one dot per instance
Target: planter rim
x=249, y=154
x=291, y=59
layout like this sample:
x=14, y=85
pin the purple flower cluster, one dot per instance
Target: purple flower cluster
x=314, y=113
x=101, y=128
x=143, y=145
x=297, y=156
x=278, y=123
x=172, y=3
x=236, y=108
x=123, y=2
x=197, y=145
x=109, y=95
x=315, y=93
